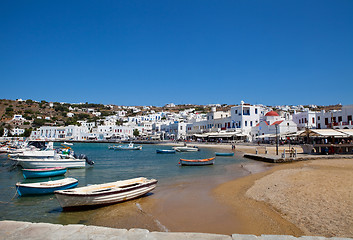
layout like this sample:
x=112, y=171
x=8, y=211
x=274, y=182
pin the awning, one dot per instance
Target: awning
x=346, y=131
x=323, y=133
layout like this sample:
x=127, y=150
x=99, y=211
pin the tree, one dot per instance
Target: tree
x=136, y=132
x=27, y=132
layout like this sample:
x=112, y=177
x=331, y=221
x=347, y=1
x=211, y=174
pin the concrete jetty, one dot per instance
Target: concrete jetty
x=45, y=231
x=300, y=157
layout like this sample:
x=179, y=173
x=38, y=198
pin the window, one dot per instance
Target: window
x=300, y=121
x=318, y=118
x=326, y=121
x=340, y=119
x=313, y=120
x=236, y=111
x=349, y=118
x=288, y=124
x=246, y=123
x=255, y=110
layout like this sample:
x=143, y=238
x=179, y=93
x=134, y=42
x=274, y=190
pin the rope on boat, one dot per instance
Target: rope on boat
x=11, y=198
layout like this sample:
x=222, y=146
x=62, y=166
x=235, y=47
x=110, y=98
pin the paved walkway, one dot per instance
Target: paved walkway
x=44, y=231
x=300, y=157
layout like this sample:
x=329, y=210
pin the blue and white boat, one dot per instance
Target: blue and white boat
x=128, y=147
x=43, y=172
x=224, y=154
x=165, y=151
x=45, y=187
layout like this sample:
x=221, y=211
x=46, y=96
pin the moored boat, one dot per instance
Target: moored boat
x=225, y=154
x=107, y=193
x=43, y=172
x=165, y=151
x=196, y=162
x=45, y=187
x=186, y=149
x=131, y=146
x=49, y=163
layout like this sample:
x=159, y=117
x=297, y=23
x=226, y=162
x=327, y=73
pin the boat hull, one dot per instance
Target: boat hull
x=186, y=149
x=45, y=172
x=50, y=163
x=27, y=189
x=128, y=148
x=71, y=200
x=197, y=162
x=165, y=151
x=224, y=154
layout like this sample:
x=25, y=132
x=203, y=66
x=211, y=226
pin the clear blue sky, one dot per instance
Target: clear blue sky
x=161, y=51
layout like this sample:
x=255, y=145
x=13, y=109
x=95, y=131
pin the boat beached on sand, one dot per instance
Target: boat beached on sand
x=196, y=162
x=43, y=172
x=45, y=187
x=107, y=193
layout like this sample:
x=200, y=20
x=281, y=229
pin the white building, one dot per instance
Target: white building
x=306, y=119
x=339, y=119
x=246, y=116
x=273, y=124
x=17, y=131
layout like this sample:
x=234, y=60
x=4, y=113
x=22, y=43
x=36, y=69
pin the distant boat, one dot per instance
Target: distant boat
x=45, y=187
x=224, y=154
x=128, y=147
x=68, y=144
x=43, y=172
x=112, y=147
x=107, y=193
x=186, y=149
x=165, y=151
x=197, y=162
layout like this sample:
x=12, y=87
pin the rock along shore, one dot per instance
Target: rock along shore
x=26, y=230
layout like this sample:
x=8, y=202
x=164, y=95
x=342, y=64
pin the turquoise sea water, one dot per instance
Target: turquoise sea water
x=109, y=166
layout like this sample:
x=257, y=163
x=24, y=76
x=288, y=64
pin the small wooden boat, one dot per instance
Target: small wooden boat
x=45, y=187
x=165, y=151
x=186, y=149
x=128, y=147
x=225, y=154
x=43, y=172
x=107, y=193
x=196, y=162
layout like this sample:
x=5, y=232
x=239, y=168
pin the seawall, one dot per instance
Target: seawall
x=25, y=230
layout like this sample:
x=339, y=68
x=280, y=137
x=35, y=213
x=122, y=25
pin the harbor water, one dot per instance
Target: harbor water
x=110, y=165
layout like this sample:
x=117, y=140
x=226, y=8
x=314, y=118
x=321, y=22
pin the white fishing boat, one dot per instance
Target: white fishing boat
x=107, y=193
x=68, y=144
x=79, y=162
x=186, y=149
x=131, y=146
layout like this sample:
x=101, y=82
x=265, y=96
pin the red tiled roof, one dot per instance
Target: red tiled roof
x=272, y=113
x=261, y=122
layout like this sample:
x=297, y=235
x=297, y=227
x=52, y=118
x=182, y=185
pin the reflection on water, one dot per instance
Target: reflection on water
x=109, y=166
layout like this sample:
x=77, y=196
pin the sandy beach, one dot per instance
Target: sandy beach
x=309, y=198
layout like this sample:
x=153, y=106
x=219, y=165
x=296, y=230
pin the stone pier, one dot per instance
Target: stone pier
x=11, y=230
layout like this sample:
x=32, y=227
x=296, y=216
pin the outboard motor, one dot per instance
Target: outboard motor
x=83, y=156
